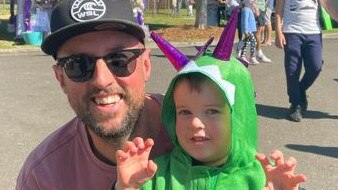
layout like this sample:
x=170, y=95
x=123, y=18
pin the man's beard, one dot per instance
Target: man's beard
x=115, y=133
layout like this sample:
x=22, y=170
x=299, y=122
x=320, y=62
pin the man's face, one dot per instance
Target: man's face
x=107, y=104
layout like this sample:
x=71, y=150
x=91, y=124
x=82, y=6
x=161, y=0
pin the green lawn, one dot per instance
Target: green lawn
x=164, y=19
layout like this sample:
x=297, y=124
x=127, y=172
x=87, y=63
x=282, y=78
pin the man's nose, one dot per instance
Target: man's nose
x=102, y=76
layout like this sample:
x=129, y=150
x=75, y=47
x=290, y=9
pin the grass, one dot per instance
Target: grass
x=164, y=19
x=7, y=40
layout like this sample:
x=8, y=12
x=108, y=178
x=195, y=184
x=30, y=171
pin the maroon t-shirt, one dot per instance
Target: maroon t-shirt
x=64, y=160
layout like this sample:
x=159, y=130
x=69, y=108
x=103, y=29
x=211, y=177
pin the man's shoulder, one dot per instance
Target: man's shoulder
x=157, y=97
x=53, y=143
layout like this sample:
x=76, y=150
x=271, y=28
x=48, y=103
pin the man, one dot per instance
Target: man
x=300, y=38
x=102, y=66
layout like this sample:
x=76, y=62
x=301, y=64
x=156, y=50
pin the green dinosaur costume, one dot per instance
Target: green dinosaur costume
x=177, y=170
x=241, y=171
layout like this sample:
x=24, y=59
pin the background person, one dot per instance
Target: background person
x=259, y=10
x=301, y=39
x=270, y=4
x=248, y=27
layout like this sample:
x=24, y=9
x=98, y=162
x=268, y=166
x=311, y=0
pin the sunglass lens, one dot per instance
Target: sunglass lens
x=121, y=64
x=80, y=68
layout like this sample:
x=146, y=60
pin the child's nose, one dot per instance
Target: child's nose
x=197, y=123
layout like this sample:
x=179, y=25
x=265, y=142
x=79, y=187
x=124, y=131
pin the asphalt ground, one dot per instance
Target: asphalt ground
x=32, y=106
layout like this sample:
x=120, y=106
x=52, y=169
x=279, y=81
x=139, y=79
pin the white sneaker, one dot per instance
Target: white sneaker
x=254, y=61
x=262, y=57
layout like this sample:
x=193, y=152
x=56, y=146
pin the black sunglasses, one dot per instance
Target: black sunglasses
x=80, y=68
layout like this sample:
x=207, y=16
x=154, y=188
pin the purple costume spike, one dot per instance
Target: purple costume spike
x=224, y=47
x=201, y=50
x=178, y=59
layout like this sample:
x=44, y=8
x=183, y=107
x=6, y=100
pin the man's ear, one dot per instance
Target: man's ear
x=146, y=64
x=59, y=75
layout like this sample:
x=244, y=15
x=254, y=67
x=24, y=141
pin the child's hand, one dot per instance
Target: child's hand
x=280, y=176
x=133, y=166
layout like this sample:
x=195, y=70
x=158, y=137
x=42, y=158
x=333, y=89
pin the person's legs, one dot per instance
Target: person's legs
x=268, y=27
x=259, y=52
x=253, y=43
x=312, y=55
x=243, y=50
x=245, y=46
x=190, y=10
x=293, y=66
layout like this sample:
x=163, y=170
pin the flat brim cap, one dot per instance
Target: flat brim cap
x=74, y=17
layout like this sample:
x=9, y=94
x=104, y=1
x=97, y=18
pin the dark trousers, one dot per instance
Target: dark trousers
x=301, y=48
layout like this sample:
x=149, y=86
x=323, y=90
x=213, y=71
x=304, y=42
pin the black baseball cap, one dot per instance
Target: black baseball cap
x=74, y=17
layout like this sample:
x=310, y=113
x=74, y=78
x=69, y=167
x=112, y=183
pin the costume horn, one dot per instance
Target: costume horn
x=201, y=50
x=178, y=59
x=224, y=47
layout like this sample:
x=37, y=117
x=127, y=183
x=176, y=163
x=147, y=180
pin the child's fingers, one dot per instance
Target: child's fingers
x=149, y=143
x=299, y=178
x=152, y=168
x=120, y=156
x=263, y=160
x=291, y=164
x=138, y=141
x=129, y=147
x=277, y=157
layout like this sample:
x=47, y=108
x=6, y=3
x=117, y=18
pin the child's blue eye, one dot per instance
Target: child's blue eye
x=213, y=111
x=183, y=112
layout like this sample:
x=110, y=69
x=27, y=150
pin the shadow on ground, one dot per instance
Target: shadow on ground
x=325, y=151
x=275, y=112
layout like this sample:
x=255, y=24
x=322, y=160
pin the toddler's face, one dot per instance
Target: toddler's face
x=203, y=122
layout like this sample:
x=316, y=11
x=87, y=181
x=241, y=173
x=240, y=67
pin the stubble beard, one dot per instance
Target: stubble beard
x=116, y=133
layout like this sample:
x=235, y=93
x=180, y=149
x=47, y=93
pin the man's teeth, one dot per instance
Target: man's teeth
x=107, y=100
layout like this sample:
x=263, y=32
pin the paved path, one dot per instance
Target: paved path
x=32, y=106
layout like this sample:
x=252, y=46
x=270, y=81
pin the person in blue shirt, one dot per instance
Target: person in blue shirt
x=248, y=26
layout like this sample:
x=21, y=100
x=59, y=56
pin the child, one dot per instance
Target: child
x=209, y=112
x=248, y=26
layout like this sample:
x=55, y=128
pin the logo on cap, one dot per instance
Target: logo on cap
x=86, y=10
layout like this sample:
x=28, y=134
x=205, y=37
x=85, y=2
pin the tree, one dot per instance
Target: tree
x=201, y=14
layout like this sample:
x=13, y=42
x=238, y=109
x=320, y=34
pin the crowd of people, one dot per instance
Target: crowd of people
x=202, y=134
